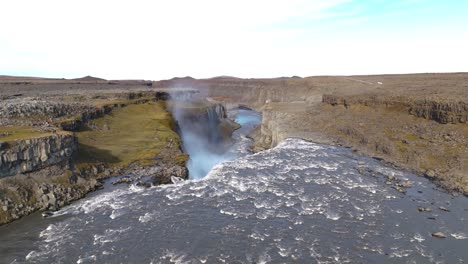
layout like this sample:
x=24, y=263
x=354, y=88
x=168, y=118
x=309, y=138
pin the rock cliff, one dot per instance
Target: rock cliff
x=437, y=109
x=441, y=111
x=33, y=154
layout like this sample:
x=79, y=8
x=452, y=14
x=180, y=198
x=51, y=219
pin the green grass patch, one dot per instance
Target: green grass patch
x=121, y=101
x=412, y=137
x=136, y=133
x=10, y=133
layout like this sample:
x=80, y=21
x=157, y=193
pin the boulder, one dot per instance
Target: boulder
x=430, y=174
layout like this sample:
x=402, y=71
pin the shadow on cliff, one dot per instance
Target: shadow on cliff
x=91, y=154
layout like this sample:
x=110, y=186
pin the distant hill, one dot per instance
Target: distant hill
x=22, y=78
x=186, y=78
x=89, y=79
x=224, y=77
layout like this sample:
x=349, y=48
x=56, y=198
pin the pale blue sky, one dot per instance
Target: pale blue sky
x=162, y=39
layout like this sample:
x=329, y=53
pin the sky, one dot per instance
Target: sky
x=153, y=40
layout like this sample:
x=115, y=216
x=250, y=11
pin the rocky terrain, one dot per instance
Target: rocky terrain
x=57, y=147
x=414, y=121
x=59, y=137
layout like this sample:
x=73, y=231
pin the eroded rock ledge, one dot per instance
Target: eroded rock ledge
x=33, y=154
x=440, y=110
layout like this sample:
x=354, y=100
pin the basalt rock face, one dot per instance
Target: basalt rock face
x=428, y=135
x=77, y=124
x=47, y=189
x=216, y=118
x=35, y=174
x=36, y=153
x=19, y=111
x=439, y=110
x=30, y=107
x=209, y=121
x=253, y=92
x=442, y=112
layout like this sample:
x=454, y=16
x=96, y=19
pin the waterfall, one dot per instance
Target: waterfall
x=201, y=135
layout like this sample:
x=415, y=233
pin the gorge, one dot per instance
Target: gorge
x=320, y=187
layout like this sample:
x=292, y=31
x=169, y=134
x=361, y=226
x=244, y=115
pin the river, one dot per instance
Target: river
x=299, y=202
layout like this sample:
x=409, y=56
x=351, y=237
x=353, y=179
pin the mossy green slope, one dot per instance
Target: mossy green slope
x=142, y=133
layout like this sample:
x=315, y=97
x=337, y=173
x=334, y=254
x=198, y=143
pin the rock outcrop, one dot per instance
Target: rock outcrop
x=33, y=154
x=26, y=111
x=439, y=110
x=33, y=106
x=46, y=189
x=206, y=118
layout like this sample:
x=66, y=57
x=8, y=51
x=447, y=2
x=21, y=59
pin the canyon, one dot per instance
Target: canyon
x=417, y=122
x=414, y=121
x=325, y=168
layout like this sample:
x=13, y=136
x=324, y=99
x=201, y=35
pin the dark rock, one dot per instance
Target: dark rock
x=430, y=174
x=99, y=186
x=47, y=214
x=143, y=184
